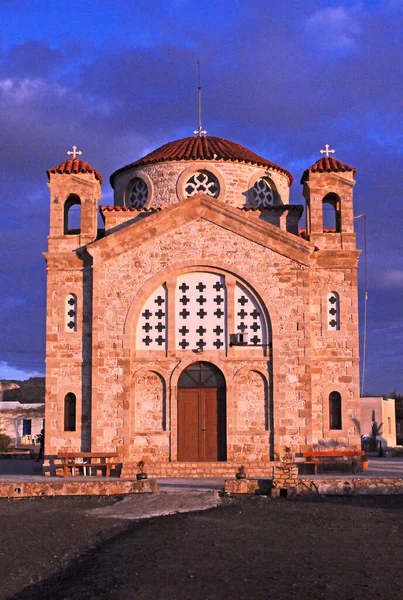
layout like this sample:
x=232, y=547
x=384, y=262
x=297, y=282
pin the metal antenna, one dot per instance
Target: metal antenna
x=364, y=344
x=200, y=131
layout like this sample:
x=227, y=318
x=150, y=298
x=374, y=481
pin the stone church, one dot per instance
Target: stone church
x=203, y=327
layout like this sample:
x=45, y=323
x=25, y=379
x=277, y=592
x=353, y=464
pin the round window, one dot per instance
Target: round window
x=262, y=193
x=202, y=181
x=138, y=193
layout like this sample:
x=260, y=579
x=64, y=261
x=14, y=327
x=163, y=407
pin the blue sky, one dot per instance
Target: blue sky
x=119, y=78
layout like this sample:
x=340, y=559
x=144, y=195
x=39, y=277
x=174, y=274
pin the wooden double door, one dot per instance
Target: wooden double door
x=201, y=425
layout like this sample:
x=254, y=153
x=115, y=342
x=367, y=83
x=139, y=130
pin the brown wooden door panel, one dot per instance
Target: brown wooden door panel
x=188, y=425
x=210, y=438
x=201, y=425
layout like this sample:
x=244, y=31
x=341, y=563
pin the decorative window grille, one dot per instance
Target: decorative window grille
x=248, y=317
x=333, y=311
x=201, y=311
x=202, y=181
x=138, y=193
x=262, y=193
x=71, y=312
x=335, y=411
x=152, y=324
x=201, y=315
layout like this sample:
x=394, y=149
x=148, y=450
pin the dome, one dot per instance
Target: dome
x=74, y=166
x=327, y=164
x=202, y=148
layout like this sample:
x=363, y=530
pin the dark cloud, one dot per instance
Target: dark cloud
x=32, y=59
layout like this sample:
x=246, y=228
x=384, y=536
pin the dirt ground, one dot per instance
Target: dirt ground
x=248, y=548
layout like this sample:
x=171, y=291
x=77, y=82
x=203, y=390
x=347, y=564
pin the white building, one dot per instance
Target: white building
x=380, y=411
x=22, y=422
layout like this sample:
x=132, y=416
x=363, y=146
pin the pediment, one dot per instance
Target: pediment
x=201, y=206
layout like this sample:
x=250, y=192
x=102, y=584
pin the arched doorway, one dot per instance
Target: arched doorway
x=202, y=414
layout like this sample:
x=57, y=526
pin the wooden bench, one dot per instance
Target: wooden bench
x=317, y=457
x=75, y=463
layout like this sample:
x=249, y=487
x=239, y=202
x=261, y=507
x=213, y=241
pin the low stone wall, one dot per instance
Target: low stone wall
x=258, y=469
x=354, y=486
x=75, y=487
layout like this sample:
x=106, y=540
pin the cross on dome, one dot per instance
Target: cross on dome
x=327, y=150
x=74, y=153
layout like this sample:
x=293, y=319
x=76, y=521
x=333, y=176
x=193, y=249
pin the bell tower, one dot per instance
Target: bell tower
x=334, y=344
x=75, y=189
x=328, y=191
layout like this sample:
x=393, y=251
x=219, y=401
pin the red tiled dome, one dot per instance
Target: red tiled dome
x=202, y=148
x=327, y=164
x=74, y=166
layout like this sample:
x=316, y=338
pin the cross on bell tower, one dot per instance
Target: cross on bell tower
x=74, y=153
x=327, y=150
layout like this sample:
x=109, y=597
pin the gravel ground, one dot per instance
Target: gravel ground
x=248, y=548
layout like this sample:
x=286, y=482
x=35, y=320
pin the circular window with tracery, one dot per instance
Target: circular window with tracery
x=138, y=195
x=202, y=181
x=262, y=193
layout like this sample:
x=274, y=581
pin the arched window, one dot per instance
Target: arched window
x=331, y=213
x=201, y=375
x=202, y=181
x=138, y=194
x=335, y=421
x=72, y=215
x=333, y=311
x=201, y=310
x=262, y=193
x=70, y=405
x=71, y=312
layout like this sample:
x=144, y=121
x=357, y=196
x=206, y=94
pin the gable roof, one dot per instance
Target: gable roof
x=202, y=148
x=135, y=233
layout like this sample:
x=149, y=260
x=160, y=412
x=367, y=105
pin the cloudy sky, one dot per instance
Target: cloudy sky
x=119, y=78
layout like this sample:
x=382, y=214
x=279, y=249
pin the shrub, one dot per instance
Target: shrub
x=5, y=442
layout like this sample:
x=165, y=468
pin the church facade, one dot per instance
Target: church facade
x=202, y=328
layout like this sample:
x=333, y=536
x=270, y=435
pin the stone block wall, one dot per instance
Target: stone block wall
x=277, y=395
x=235, y=180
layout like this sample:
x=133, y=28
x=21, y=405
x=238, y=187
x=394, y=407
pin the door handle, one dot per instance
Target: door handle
x=203, y=429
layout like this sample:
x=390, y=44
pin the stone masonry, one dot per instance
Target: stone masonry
x=115, y=383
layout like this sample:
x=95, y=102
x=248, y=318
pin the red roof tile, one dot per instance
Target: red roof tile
x=127, y=208
x=203, y=148
x=74, y=166
x=288, y=207
x=327, y=164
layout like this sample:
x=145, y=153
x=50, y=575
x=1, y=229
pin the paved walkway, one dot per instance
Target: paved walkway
x=24, y=470
x=145, y=506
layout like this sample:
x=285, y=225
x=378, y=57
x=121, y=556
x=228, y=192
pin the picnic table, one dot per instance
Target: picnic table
x=87, y=463
x=318, y=457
